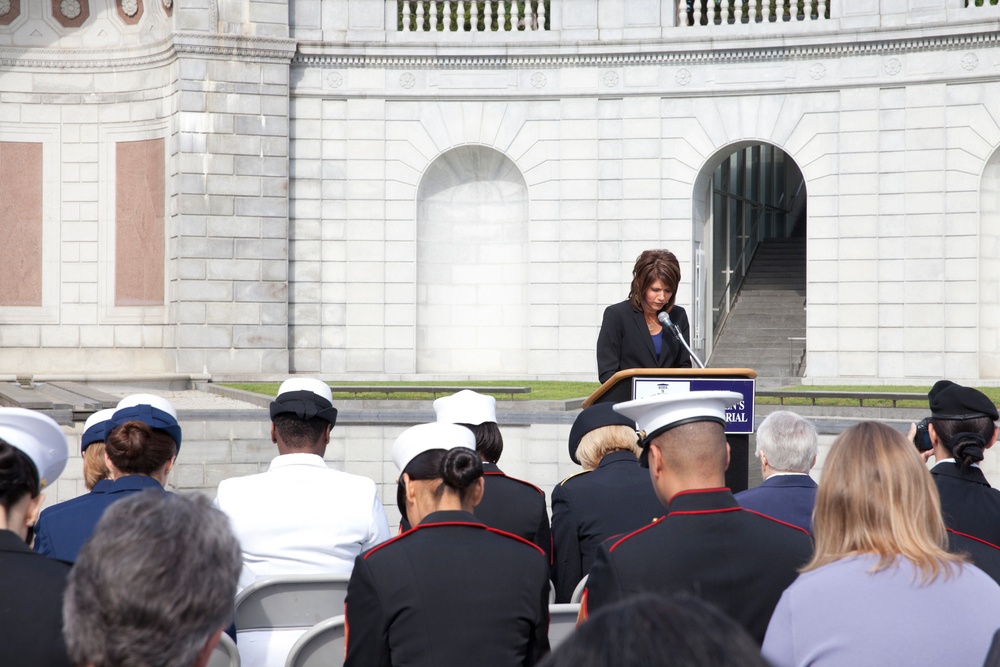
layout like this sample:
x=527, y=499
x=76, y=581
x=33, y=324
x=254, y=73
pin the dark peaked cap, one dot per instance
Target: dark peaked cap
x=953, y=401
x=305, y=398
x=592, y=418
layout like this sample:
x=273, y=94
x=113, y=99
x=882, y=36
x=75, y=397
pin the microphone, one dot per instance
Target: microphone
x=664, y=318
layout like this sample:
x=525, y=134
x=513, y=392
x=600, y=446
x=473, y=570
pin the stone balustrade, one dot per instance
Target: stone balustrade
x=728, y=12
x=472, y=15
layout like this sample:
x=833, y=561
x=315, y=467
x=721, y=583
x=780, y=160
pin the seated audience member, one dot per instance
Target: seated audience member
x=612, y=496
x=786, y=446
x=654, y=631
x=95, y=467
x=881, y=588
x=508, y=503
x=33, y=453
x=451, y=590
x=706, y=545
x=961, y=429
x=154, y=585
x=141, y=447
x=334, y=517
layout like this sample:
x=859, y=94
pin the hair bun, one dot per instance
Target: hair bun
x=968, y=448
x=461, y=467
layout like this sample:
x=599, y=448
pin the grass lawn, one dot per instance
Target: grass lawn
x=540, y=390
x=992, y=392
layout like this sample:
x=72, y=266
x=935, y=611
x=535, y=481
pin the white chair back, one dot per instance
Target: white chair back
x=562, y=622
x=578, y=591
x=225, y=653
x=290, y=601
x=321, y=646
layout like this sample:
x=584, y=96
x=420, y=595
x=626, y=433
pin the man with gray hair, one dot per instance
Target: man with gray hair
x=786, y=447
x=154, y=585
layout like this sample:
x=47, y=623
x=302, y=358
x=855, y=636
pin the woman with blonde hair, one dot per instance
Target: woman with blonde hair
x=612, y=496
x=881, y=577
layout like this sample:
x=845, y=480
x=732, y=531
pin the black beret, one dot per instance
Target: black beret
x=953, y=401
x=594, y=417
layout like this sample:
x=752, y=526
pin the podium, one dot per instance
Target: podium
x=641, y=382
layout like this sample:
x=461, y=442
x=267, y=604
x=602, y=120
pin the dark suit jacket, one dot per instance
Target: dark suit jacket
x=969, y=504
x=708, y=546
x=451, y=591
x=62, y=529
x=789, y=498
x=513, y=506
x=31, y=594
x=983, y=555
x=590, y=507
x=624, y=342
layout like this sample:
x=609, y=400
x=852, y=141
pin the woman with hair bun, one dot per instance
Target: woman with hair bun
x=962, y=427
x=33, y=453
x=631, y=334
x=143, y=438
x=451, y=590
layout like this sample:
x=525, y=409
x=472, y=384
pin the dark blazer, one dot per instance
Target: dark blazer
x=969, y=504
x=789, y=498
x=63, y=528
x=512, y=505
x=983, y=555
x=451, y=591
x=708, y=546
x=624, y=342
x=590, y=507
x=31, y=594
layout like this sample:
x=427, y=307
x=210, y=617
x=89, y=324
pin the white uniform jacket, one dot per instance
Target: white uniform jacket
x=301, y=517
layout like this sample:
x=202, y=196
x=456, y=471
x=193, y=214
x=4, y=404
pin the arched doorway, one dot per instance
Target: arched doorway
x=989, y=269
x=750, y=232
x=472, y=264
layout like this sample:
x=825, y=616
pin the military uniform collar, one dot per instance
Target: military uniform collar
x=703, y=500
x=621, y=456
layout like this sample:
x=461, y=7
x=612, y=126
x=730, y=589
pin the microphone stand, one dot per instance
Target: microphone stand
x=665, y=320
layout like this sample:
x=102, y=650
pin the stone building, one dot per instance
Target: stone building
x=387, y=188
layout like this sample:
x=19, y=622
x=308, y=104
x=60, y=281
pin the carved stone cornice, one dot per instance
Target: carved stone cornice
x=274, y=49
x=124, y=57
x=691, y=52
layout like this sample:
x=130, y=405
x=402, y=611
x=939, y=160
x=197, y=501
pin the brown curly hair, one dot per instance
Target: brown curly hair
x=650, y=266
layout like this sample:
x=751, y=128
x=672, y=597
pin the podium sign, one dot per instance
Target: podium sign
x=739, y=418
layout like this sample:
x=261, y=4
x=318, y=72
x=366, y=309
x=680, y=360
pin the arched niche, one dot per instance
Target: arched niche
x=472, y=264
x=989, y=269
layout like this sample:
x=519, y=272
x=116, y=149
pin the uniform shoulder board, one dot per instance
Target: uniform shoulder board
x=576, y=474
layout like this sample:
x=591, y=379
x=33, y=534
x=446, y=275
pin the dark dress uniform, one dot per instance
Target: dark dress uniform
x=983, y=555
x=614, y=499
x=63, y=528
x=969, y=504
x=513, y=506
x=709, y=546
x=31, y=596
x=451, y=591
x=625, y=342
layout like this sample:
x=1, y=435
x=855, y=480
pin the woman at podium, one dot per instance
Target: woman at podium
x=631, y=335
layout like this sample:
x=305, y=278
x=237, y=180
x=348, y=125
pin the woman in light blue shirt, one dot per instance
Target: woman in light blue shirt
x=881, y=588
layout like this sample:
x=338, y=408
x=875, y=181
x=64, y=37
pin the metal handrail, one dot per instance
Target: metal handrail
x=757, y=208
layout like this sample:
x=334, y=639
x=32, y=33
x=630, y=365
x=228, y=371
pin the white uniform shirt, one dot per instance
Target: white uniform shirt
x=301, y=517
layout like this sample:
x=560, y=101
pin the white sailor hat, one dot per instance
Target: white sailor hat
x=95, y=429
x=655, y=414
x=424, y=437
x=152, y=410
x=466, y=407
x=305, y=398
x=39, y=437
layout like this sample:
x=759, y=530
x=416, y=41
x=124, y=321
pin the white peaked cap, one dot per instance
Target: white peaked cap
x=655, y=414
x=466, y=407
x=424, y=437
x=39, y=437
x=98, y=417
x=317, y=387
x=152, y=400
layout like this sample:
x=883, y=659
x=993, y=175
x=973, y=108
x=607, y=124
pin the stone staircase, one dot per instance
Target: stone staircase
x=769, y=309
